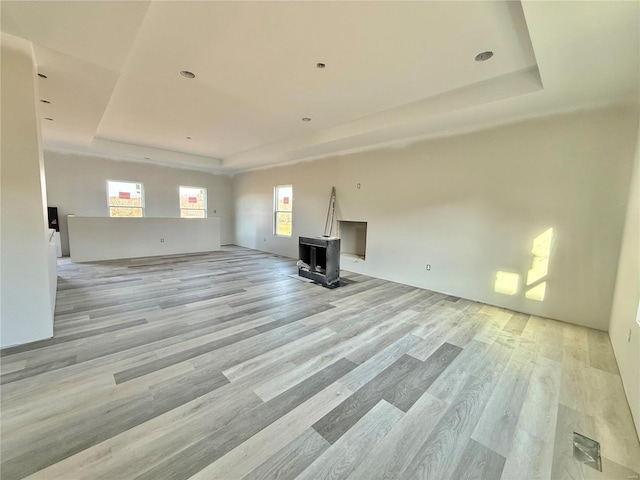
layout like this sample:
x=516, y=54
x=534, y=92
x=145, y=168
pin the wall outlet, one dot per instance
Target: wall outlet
x=629, y=336
x=215, y=211
x=162, y=240
x=358, y=186
x=428, y=266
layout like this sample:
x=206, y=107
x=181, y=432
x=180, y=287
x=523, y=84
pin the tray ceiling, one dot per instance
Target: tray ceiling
x=394, y=71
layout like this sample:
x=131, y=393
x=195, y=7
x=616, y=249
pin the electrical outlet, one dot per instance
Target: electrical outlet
x=358, y=185
x=215, y=211
x=629, y=336
x=428, y=266
x=162, y=240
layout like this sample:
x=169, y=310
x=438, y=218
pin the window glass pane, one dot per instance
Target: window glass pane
x=283, y=223
x=126, y=194
x=185, y=213
x=193, y=197
x=285, y=199
x=125, y=212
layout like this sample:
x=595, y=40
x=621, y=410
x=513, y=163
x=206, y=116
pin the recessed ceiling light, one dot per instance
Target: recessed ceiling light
x=187, y=74
x=45, y=101
x=50, y=119
x=41, y=75
x=484, y=56
x=306, y=119
x=188, y=138
x=320, y=65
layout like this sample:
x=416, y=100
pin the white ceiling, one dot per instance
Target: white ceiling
x=395, y=71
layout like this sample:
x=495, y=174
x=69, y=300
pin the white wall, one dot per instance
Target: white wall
x=626, y=300
x=25, y=283
x=470, y=206
x=53, y=268
x=77, y=185
x=104, y=238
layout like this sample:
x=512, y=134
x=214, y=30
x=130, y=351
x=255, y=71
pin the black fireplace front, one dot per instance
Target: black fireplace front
x=320, y=259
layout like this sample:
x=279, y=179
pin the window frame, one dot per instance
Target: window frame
x=276, y=211
x=142, y=198
x=206, y=200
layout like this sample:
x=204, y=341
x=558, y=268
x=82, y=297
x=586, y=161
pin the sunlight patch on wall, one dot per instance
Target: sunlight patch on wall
x=537, y=292
x=506, y=283
x=541, y=250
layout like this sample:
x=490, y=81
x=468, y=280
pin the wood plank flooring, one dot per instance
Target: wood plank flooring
x=221, y=365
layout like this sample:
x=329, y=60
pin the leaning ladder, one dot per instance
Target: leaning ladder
x=331, y=212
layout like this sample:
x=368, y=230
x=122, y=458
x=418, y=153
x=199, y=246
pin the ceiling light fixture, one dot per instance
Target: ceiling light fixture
x=484, y=56
x=187, y=74
x=320, y=65
x=50, y=119
x=45, y=101
x=188, y=138
x=41, y=75
x=306, y=119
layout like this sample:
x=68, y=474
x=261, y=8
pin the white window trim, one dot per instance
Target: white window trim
x=120, y=206
x=276, y=211
x=206, y=201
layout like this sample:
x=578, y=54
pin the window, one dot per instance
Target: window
x=125, y=199
x=283, y=208
x=193, y=202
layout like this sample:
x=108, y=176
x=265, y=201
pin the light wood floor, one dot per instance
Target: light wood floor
x=221, y=365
